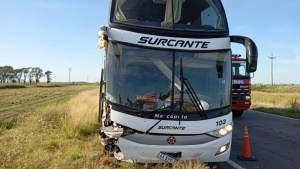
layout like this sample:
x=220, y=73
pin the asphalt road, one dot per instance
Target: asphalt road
x=274, y=141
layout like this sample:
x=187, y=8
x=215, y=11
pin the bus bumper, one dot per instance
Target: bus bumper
x=143, y=153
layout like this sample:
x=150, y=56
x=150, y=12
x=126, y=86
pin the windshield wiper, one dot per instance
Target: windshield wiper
x=181, y=89
x=191, y=93
x=194, y=98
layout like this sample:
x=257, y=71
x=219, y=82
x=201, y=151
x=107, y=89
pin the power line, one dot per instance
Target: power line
x=272, y=58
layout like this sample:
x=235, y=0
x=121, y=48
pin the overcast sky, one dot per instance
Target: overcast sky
x=60, y=34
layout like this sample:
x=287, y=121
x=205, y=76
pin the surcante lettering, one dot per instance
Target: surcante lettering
x=173, y=42
x=171, y=128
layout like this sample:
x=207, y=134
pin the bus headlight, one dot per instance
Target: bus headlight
x=247, y=97
x=222, y=149
x=222, y=131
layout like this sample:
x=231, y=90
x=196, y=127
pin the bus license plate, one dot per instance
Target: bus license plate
x=166, y=157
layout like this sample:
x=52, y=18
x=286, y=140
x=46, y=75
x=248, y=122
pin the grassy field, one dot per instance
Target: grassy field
x=57, y=127
x=281, y=100
x=54, y=134
x=16, y=102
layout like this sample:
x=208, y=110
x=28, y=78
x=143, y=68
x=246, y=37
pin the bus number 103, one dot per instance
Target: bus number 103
x=221, y=122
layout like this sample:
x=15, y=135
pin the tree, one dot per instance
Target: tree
x=30, y=76
x=48, y=76
x=6, y=72
x=18, y=74
x=25, y=73
x=12, y=77
x=37, y=73
x=2, y=80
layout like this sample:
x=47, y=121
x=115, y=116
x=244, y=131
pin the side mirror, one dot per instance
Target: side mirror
x=251, y=51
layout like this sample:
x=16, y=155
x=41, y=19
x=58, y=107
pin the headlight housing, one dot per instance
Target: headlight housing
x=222, y=131
x=247, y=97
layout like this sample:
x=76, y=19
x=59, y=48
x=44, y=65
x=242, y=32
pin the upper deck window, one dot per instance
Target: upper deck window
x=188, y=15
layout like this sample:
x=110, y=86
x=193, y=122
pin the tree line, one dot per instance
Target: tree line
x=32, y=74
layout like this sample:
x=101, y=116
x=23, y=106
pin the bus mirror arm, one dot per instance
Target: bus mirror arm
x=251, y=51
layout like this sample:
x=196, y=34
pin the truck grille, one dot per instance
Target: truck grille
x=240, y=91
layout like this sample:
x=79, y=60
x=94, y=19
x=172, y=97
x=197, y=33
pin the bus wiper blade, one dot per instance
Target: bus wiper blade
x=194, y=98
x=181, y=89
x=191, y=93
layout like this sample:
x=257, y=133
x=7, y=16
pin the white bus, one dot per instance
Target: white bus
x=165, y=92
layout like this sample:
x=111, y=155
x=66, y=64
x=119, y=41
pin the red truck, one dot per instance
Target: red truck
x=241, y=86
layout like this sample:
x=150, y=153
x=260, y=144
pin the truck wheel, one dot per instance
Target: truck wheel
x=237, y=113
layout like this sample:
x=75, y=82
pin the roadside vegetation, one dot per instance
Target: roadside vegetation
x=56, y=127
x=55, y=134
x=282, y=100
x=16, y=102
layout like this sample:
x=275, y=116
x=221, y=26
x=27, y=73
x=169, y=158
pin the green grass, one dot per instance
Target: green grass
x=277, y=88
x=11, y=86
x=42, y=138
x=287, y=112
x=17, y=102
x=281, y=100
x=7, y=124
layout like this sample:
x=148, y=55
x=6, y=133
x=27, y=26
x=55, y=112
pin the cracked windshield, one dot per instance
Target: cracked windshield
x=142, y=79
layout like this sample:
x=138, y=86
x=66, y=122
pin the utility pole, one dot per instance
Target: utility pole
x=272, y=58
x=70, y=74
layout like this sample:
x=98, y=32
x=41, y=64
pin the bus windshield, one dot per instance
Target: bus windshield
x=141, y=79
x=188, y=15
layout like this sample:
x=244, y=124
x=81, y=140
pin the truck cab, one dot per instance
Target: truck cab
x=241, y=86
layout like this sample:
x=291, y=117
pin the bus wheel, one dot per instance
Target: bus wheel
x=237, y=113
